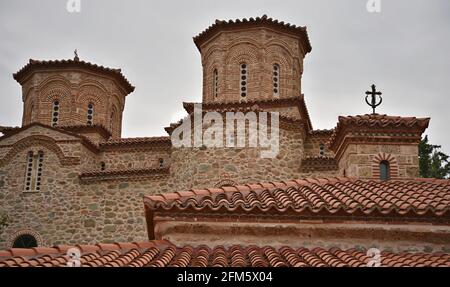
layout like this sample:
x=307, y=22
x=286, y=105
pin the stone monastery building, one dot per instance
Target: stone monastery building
x=68, y=178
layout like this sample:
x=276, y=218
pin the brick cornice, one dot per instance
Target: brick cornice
x=124, y=174
x=35, y=65
x=264, y=21
x=319, y=163
x=372, y=139
x=148, y=143
x=10, y=131
x=257, y=105
x=39, y=140
x=376, y=128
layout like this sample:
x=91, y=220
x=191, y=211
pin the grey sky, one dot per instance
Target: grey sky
x=404, y=50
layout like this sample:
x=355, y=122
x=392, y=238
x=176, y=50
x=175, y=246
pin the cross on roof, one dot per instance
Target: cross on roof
x=373, y=103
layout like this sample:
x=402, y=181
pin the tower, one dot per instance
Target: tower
x=255, y=59
x=74, y=94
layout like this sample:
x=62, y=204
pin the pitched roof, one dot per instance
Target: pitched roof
x=319, y=163
x=376, y=122
x=419, y=198
x=220, y=25
x=10, y=131
x=165, y=254
x=135, y=142
x=324, y=132
x=99, y=128
x=32, y=65
x=255, y=105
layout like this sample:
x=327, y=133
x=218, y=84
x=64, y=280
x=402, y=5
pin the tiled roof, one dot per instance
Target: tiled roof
x=319, y=163
x=75, y=63
x=376, y=122
x=7, y=128
x=321, y=132
x=284, y=120
x=132, y=142
x=258, y=104
x=165, y=254
x=101, y=129
x=10, y=131
x=419, y=198
x=258, y=21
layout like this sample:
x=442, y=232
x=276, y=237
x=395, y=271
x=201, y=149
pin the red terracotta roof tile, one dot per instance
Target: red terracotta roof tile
x=165, y=254
x=258, y=21
x=135, y=142
x=319, y=163
x=322, y=195
x=75, y=63
x=254, y=105
x=376, y=121
x=10, y=131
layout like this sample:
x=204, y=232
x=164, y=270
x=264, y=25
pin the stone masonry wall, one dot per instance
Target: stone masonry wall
x=207, y=167
x=362, y=160
x=135, y=158
x=66, y=210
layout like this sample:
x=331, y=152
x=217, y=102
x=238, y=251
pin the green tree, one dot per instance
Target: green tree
x=432, y=162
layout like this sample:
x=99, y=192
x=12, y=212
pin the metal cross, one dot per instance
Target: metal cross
x=76, y=55
x=373, y=103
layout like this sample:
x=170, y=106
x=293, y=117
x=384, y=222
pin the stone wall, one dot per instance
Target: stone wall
x=66, y=210
x=313, y=143
x=363, y=160
x=207, y=167
x=135, y=158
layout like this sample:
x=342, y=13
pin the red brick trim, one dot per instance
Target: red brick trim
x=24, y=231
x=127, y=174
x=226, y=182
x=34, y=65
x=264, y=21
x=393, y=165
x=44, y=141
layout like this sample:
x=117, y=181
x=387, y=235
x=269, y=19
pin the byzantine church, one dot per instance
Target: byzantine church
x=68, y=179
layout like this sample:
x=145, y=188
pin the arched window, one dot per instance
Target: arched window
x=55, y=111
x=276, y=80
x=35, y=164
x=322, y=150
x=243, y=79
x=215, y=83
x=111, y=120
x=102, y=166
x=25, y=241
x=161, y=162
x=31, y=112
x=384, y=170
x=90, y=114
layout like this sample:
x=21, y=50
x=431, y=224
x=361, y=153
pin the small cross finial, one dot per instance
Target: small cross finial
x=373, y=103
x=76, y=55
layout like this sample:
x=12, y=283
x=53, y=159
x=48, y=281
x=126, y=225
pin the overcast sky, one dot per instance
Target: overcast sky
x=404, y=50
